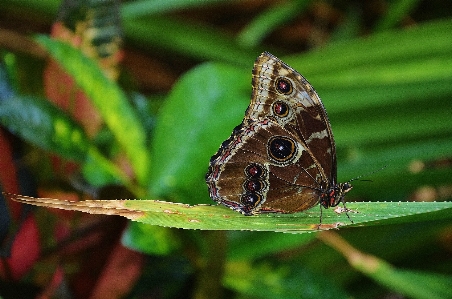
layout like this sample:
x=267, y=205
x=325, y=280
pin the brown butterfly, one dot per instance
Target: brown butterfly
x=282, y=157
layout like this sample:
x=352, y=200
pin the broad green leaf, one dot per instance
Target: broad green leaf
x=108, y=98
x=198, y=115
x=208, y=217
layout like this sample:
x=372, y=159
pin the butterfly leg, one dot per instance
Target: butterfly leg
x=340, y=210
x=320, y=222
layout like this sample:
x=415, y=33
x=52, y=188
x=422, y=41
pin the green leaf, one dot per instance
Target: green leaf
x=150, y=239
x=247, y=246
x=108, y=98
x=195, y=41
x=381, y=71
x=269, y=20
x=217, y=217
x=41, y=123
x=208, y=217
x=378, y=92
x=395, y=13
x=349, y=27
x=382, y=49
x=268, y=281
x=44, y=125
x=414, y=284
x=99, y=171
x=199, y=113
x=140, y=8
x=44, y=8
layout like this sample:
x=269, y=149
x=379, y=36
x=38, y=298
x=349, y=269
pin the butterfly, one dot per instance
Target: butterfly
x=282, y=157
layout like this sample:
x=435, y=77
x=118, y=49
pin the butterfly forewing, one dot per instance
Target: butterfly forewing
x=306, y=116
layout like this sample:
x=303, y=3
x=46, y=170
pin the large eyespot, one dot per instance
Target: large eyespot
x=250, y=199
x=281, y=148
x=284, y=86
x=254, y=170
x=280, y=109
x=253, y=185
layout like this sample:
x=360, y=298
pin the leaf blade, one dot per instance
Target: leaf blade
x=206, y=217
x=109, y=99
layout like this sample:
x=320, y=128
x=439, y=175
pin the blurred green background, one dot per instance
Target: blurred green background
x=179, y=82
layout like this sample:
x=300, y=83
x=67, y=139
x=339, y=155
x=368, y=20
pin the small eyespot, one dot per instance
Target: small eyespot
x=253, y=185
x=250, y=199
x=284, y=86
x=280, y=109
x=254, y=170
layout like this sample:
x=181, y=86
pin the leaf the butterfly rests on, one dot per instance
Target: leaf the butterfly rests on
x=282, y=157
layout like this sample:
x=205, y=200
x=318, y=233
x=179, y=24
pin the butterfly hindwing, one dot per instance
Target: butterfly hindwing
x=251, y=173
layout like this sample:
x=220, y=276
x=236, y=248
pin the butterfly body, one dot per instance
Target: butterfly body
x=282, y=157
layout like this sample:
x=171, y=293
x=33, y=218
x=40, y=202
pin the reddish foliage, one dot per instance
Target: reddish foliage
x=120, y=274
x=8, y=175
x=25, y=251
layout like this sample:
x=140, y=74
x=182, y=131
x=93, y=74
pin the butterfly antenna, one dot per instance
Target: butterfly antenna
x=369, y=173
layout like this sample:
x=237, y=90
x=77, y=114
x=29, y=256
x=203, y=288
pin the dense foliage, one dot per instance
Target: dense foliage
x=73, y=128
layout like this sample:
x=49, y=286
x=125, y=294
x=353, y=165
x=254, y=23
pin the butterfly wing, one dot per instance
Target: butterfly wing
x=282, y=157
x=285, y=96
x=260, y=168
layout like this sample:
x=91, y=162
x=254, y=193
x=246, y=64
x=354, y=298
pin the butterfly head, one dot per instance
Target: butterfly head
x=335, y=194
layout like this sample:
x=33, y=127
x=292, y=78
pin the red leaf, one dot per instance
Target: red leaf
x=25, y=250
x=55, y=287
x=8, y=173
x=120, y=274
